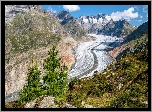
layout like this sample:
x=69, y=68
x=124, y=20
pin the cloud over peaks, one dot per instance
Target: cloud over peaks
x=71, y=8
x=126, y=14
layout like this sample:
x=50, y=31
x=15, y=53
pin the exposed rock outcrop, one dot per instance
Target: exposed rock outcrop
x=134, y=43
x=71, y=26
x=119, y=28
x=47, y=102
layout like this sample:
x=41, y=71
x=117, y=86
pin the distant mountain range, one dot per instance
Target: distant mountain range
x=91, y=24
x=100, y=24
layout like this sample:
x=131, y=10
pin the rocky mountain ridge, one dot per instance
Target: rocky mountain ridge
x=91, y=23
x=104, y=24
x=119, y=28
x=12, y=10
x=101, y=24
x=134, y=43
x=71, y=26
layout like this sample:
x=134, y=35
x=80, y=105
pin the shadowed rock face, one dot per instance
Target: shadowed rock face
x=71, y=26
x=117, y=28
x=134, y=42
x=142, y=29
x=64, y=17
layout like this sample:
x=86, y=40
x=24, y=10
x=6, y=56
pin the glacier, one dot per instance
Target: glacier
x=91, y=56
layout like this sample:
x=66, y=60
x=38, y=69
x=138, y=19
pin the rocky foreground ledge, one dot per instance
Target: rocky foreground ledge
x=12, y=97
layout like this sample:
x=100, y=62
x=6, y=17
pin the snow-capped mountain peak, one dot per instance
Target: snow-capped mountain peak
x=93, y=22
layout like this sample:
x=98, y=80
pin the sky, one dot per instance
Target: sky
x=134, y=14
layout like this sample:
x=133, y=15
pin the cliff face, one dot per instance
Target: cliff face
x=71, y=26
x=30, y=32
x=119, y=28
x=134, y=43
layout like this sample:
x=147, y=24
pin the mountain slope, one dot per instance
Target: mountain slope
x=124, y=84
x=29, y=33
x=75, y=30
x=71, y=26
x=135, y=42
x=117, y=28
x=142, y=29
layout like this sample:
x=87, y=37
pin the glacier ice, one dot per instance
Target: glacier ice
x=92, y=56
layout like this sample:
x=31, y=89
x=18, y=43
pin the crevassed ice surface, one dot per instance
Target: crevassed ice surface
x=87, y=52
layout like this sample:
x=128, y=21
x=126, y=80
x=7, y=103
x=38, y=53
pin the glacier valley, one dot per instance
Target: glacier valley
x=92, y=56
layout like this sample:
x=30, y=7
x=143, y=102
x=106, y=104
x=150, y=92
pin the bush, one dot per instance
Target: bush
x=75, y=98
x=120, y=100
x=73, y=82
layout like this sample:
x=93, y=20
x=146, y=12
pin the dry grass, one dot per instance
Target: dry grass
x=101, y=102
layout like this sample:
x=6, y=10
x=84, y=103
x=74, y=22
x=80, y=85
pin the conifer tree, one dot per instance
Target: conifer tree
x=56, y=74
x=32, y=89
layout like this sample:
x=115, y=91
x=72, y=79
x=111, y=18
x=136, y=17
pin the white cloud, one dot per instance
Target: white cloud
x=51, y=10
x=139, y=20
x=141, y=16
x=126, y=14
x=71, y=8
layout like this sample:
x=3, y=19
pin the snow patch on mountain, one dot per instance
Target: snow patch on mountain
x=94, y=20
x=85, y=20
x=108, y=17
